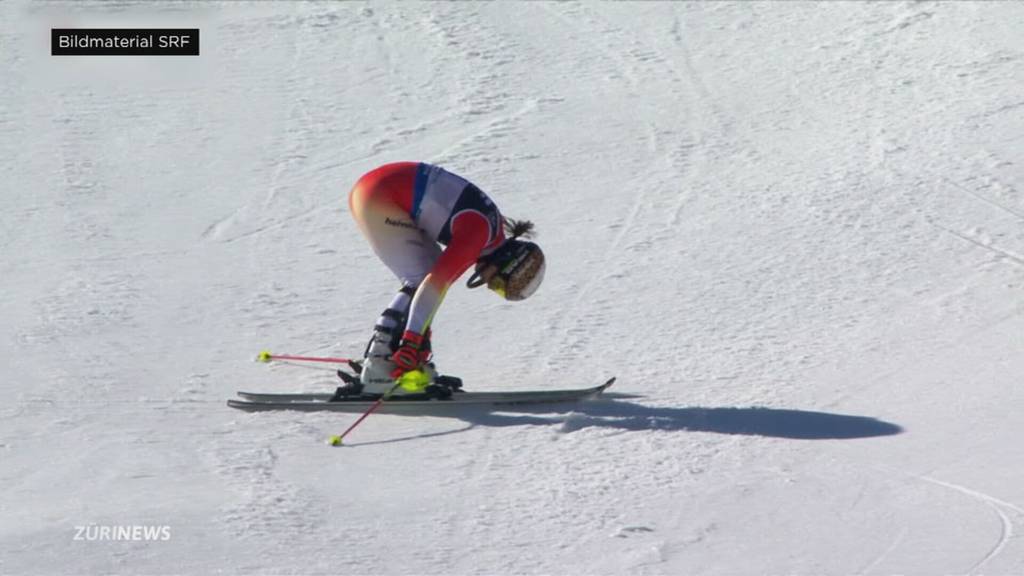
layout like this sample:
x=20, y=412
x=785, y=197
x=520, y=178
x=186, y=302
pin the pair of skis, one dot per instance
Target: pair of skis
x=388, y=404
x=321, y=402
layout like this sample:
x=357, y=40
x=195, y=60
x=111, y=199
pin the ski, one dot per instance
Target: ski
x=256, y=402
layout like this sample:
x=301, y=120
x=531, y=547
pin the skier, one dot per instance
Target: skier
x=406, y=210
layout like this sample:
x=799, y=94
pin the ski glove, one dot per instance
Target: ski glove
x=410, y=354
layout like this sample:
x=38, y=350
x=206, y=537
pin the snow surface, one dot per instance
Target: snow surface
x=795, y=231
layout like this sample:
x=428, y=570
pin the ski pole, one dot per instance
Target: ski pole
x=266, y=357
x=336, y=440
x=414, y=379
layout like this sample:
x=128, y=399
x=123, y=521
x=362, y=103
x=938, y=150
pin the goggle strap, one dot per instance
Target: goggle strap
x=475, y=281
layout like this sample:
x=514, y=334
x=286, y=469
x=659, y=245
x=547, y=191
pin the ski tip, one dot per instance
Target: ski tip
x=599, y=390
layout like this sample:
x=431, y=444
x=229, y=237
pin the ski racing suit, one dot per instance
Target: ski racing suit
x=406, y=210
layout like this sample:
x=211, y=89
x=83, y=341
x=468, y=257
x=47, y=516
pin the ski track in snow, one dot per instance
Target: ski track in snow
x=896, y=542
x=998, y=506
x=994, y=249
x=1005, y=512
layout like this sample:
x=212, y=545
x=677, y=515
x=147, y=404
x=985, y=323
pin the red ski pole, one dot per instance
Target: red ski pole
x=414, y=379
x=266, y=356
x=337, y=440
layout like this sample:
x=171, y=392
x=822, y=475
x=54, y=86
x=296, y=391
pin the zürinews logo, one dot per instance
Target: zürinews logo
x=121, y=533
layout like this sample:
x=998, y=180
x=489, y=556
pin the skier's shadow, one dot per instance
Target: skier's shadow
x=618, y=414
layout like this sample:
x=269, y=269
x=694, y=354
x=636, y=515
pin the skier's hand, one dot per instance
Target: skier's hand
x=409, y=355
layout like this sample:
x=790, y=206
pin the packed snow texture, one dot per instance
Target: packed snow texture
x=794, y=231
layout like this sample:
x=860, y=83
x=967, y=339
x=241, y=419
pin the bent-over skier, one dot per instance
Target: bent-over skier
x=406, y=210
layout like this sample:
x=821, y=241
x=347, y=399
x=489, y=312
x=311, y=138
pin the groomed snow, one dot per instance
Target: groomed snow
x=794, y=231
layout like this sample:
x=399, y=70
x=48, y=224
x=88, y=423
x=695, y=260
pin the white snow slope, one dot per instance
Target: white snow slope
x=794, y=231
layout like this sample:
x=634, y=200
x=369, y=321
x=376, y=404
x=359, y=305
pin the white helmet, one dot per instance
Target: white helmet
x=518, y=270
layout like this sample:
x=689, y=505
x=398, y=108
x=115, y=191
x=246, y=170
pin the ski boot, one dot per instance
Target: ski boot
x=375, y=374
x=372, y=377
x=376, y=365
x=440, y=387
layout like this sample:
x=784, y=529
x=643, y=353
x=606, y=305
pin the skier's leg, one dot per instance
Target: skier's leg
x=393, y=319
x=408, y=253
